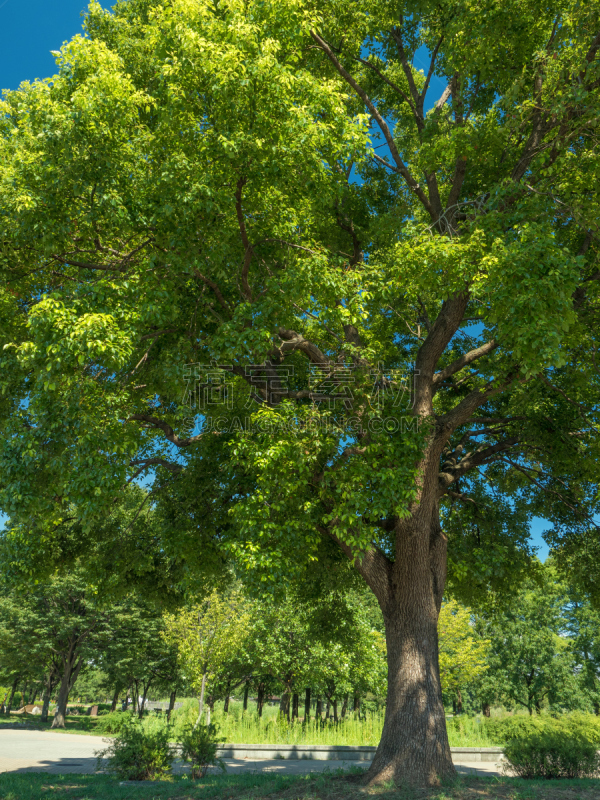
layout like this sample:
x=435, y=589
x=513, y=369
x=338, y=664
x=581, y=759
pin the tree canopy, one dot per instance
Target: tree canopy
x=246, y=254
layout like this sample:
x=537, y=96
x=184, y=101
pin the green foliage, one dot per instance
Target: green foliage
x=554, y=750
x=199, y=746
x=138, y=753
x=114, y=721
x=502, y=729
x=462, y=653
x=530, y=664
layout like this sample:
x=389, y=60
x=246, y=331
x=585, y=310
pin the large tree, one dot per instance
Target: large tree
x=390, y=299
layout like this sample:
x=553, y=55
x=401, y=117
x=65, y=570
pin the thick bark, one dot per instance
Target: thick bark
x=295, y=705
x=246, y=693
x=226, y=703
x=172, y=697
x=72, y=665
x=414, y=745
x=356, y=705
x=486, y=710
x=335, y=711
x=306, y=704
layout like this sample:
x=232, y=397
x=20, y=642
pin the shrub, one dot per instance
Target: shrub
x=199, y=747
x=551, y=752
x=138, y=754
x=113, y=722
x=502, y=729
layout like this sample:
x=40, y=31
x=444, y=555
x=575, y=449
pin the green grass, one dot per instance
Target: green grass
x=40, y=786
x=75, y=724
x=249, y=728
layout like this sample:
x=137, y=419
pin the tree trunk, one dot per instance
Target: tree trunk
x=115, y=699
x=414, y=746
x=356, y=704
x=335, y=711
x=319, y=708
x=260, y=698
x=486, y=710
x=306, y=704
x=45, y=704
x=459, y=703
x=13, y=689
x=327, y=709
x=49, y=685
x=172, y=697
x=201, y=700
x=70, y=673
x=295, y=704
x=246, y=693
x=284, y=704
x=345, y=705
x=226, y=703
x=136, y=697
x=142, y=705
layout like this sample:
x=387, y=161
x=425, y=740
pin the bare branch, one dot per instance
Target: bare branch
x=401, y=167
x=153, y=462
x=295, y=341
x=392, y=85
x=464, y=361
x=447, y=478
x=170, y=434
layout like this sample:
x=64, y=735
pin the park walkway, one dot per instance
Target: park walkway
x=59, y=753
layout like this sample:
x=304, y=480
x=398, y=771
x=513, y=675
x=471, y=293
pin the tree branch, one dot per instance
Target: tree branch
x=462, y=362
x=401, y=167
x=295, y=341
x=170, y=434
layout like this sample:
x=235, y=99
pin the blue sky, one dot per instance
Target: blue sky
x=30, y=29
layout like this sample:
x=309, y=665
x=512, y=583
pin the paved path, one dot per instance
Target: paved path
x=43, y=751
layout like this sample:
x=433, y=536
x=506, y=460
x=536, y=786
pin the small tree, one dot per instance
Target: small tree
x=207, y=635
x=462, y=653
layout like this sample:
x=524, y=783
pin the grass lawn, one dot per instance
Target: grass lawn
x=75, y=724
x=39, y=786
x=271, y=729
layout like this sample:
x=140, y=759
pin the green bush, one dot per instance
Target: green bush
x=137, y=753
x=502, y=729
x=552, y=753
x=199, y=747
x=114, y=722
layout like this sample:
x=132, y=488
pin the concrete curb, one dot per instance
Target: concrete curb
x=324, y=752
